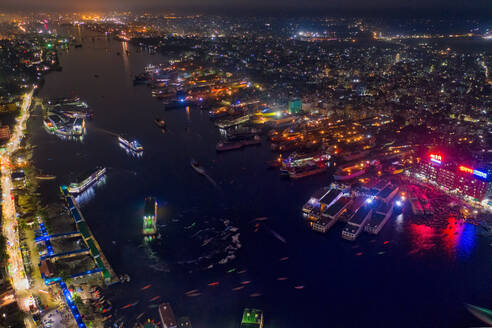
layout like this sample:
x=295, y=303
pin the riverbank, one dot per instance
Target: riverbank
x=414, y=263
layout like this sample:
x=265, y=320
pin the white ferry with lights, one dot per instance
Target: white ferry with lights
x=133, y=145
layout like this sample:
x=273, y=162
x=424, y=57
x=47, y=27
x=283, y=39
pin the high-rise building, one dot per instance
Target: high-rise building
x=453, y=177
x=295, y=106
x=167, y=316
x=252, y=318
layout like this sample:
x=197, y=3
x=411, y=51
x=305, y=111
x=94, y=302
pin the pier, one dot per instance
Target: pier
x=93, y=247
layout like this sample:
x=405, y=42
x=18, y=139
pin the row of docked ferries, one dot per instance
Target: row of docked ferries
x=362, y=210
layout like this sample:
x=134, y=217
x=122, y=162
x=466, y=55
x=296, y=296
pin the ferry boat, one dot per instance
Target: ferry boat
x=149, y=228
x=64, y=101
x=314, y=200
x=233, y=122
x=84, y=181
x=355, y=155
x=299, y=159
x=426, y=205
x=350, y=172
x=356, y=224
x=218, y=112
x=307, y=170
x=150, y=68
x=379, y=218
x=232, y=145
x=415, y=205
x=134, y=145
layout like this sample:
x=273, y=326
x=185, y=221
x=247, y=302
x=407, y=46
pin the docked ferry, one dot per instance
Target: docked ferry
x=86, y=180
x=307, y=170
x=133, y=145
x=64, y=101
x=379, y=218
x=149, y=228
x=224, y=124
x=350, y=172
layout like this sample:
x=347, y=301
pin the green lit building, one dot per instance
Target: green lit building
x=252, y=318
x=295, y=106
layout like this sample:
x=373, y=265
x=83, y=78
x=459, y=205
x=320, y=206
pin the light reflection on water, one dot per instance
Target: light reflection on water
x=456, y=240
x=90, y=192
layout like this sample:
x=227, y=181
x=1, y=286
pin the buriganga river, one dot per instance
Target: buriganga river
x=407, y=276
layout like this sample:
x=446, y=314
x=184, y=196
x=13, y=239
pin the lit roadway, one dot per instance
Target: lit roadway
x=9, y=226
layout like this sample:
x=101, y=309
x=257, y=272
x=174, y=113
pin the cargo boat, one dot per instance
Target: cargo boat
x=149, y=228
x=84, y=183
x=379, y=218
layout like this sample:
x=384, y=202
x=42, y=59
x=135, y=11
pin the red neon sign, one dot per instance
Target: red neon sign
x=465, y=169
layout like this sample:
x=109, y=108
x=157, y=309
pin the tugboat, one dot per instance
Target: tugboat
x=196, y=166
x=160, y=122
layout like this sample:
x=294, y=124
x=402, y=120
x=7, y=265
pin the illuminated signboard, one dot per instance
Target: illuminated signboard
x=466, y=169
x=436, y=158
x=478, y=173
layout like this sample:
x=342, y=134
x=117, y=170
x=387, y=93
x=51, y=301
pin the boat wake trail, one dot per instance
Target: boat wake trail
x=107, y=132
x=212, y=181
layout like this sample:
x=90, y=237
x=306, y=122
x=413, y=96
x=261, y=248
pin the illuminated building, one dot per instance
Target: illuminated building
x=295, y=106
x=252, y=318
x=453, y=177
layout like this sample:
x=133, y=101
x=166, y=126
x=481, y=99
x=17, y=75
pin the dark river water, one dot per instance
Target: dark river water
x=423, y=279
